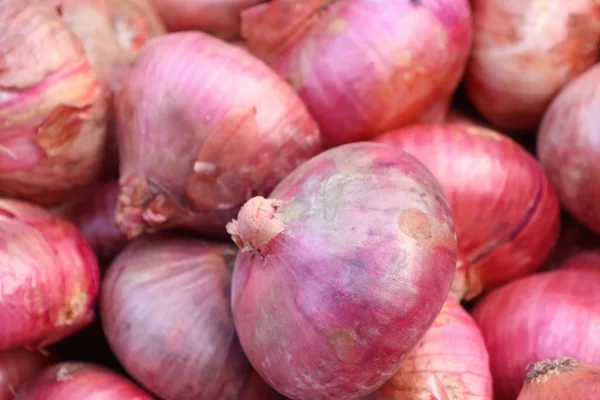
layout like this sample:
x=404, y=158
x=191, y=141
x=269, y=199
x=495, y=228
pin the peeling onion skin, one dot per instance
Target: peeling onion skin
x=50, y=278
x=77, y=381
x=562, y=379
x=524, y=52
x=52, y=106
x=166, y=313
x=547, y=315
x=454, y=352
x=16, y=366
x=313, y=286
x=358, y=81
x=506, y=213
x=568, y=147
x=203, y=126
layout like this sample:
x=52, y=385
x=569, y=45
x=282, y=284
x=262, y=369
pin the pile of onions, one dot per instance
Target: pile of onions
x=451, y=360
x=52, y=106
x=338, y=299
x=16, y=366
x=544, y=316
x=568, y=147
x=49, y=280
x=166, y=313
x=361, y=66
x=506, y=213
x=524, y=52
x=220, y=18
x=78, y=381
x=562, y=379
x=203, y=126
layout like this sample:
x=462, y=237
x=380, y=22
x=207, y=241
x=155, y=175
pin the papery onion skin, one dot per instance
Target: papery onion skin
x=543, y=316
x=50, y=277
x=524, y=52
x=341, y=271
x=220, y=18
x=568, y=147
x=166, y=313
x=203, y=126
x=506, y=213
x=454, y=352
x=562, y=379
x=52, y=106
x=78, y=381
x=16, y=366
x=362, y=66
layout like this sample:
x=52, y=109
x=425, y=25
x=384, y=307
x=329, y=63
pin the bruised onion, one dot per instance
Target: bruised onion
x=49, y=277
x=562, y=379
x=452, y=356
x=543, y=316
x=16, y=366
x=569, y=147
x=166, y=313
x=78, y=381
x=342, y=271
x=506, y=213
x=203, y=126
x=364, y=66
x=524, y=52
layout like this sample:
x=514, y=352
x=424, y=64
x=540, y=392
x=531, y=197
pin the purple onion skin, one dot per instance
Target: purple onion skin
x=166, y=313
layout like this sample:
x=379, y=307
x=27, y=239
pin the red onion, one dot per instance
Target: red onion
x=588, y=259
x=166, y=314
x=452, y=353
x=568, y=147
x=562, y=379
x=506, y=214
x=239, y=127
x=342, y=271
x=524, y=52
x=49, y=279
x=78, y=381
x=362, y=66
x=16, y=366
x=220, y=18
x=574, y=239
x=52, y=106
x=544, y=316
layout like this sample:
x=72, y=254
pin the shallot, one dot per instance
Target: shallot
x=16, y=366
x=342, y=271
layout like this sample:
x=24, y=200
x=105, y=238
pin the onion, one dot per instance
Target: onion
x=77, y=381
x=16, y=366
x=544, y=316
x=569, y=150
x=574, y=239
x=342, y=271
x=203, y=127
x=166, y=313
x=220, y=18
x=588, y=259
x=524, y=52
x=49, y=280
x=52, y=106
x=564, y=379
x=506, y=214
x=362, y=66
x=452, y=356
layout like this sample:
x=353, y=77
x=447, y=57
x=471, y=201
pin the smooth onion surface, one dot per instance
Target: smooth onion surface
x=451, y=358
x=544, y=316
x=524, y=51
x=79, y=381
x=16, y=366
x=506, y=213
x=204, y=126
x=569, y=147
x=49, y=277
x=341, y=271
x=52, y=106
x=364, y=66
x=166, y=313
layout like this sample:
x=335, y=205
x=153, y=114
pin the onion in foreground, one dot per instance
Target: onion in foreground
x=16, y=366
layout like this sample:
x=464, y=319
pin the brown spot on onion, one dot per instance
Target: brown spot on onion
x=344, y=343
x=415, y=223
